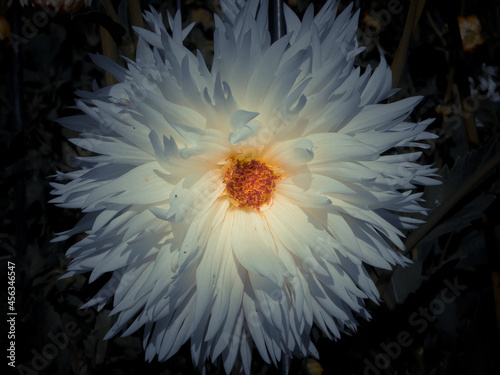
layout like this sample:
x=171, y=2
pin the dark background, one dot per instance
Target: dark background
x=422, y=326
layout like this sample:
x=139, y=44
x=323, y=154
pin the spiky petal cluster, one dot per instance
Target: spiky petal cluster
x=187, y=263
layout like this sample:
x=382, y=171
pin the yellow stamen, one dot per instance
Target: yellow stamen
x=249, y=182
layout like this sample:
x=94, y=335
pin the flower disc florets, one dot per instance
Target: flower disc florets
x=249, y=182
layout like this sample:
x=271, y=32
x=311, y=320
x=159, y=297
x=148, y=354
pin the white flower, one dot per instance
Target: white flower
x=236, y=206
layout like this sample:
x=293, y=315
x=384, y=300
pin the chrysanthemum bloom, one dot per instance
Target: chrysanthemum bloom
x=64, y=6
x=236, y=206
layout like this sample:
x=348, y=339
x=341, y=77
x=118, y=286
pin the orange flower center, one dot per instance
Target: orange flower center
x=249, y=182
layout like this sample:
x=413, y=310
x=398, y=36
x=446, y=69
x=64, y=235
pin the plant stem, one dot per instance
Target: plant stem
x=109, y=50
x=416, y=7
x=449, y=10
x=277, y=26
x=285, y=365
x=109, y=47
x=134, y=9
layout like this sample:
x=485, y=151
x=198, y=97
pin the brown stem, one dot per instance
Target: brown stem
x=134, y=9
x=449, y=11
x=109, y=50
x=416, y=7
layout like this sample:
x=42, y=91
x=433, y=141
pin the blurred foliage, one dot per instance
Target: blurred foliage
x=462, y=250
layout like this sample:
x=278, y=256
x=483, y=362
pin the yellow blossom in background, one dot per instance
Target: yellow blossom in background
x=470, y=31
x=4, y=28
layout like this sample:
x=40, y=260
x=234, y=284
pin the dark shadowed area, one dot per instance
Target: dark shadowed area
x=440, y=315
